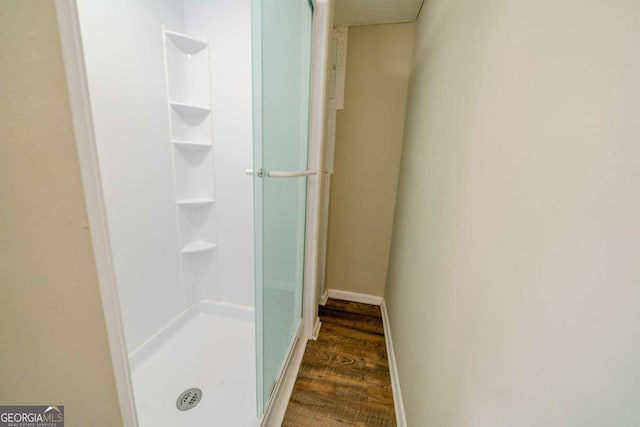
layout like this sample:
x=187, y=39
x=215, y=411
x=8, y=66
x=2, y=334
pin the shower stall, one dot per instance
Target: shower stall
x=199, y=116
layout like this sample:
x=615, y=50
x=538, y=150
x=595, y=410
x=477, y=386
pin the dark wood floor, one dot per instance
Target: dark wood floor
x=344, y=377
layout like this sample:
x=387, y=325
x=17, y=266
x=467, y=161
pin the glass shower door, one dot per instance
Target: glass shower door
x=282, y=31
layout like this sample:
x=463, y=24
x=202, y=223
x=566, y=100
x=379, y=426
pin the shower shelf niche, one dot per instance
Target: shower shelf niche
x=195, y=203
x=187, y=70
x=186, y=43
x=192, y=145
x=197, y=246
x=189, y=109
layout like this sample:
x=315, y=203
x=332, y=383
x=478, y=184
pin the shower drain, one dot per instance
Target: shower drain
x=188, y=399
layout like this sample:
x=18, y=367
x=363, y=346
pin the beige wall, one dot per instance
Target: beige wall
x=367, y=157
x=514, y=280
x=54, y=347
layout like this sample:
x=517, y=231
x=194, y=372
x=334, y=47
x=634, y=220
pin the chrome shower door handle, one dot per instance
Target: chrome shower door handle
x=290, y=174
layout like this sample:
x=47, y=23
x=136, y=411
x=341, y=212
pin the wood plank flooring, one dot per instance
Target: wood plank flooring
x=344, y=376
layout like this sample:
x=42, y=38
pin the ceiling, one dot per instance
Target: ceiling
x=368, y=12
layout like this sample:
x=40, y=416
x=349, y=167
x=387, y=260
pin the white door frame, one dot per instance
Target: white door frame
x=322, y=18
x=69, y=27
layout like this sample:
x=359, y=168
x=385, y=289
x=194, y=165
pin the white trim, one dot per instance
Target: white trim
x=256, y=117
x=324, y=297
x=398, y=404
x=277, y=407
x=324, y=226
x=316, y=329
x=320, y=53
x=338, y=39
x=355, y=297
x=339, y=35
x=71, y=42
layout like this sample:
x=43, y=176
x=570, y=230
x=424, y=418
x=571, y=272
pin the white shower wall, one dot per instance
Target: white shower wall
x=125, y=67
x=227, y=26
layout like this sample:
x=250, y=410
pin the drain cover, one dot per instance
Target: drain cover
x=188, y=399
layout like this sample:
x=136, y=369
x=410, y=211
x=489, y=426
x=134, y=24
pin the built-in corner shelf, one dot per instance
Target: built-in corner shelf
x=192, y=145
x=189, y=109
x=187, y=64
x=197, y=246
x=195, y=203
x=186, y=43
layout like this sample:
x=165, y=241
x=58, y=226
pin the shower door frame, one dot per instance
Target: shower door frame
x=76, y=76
x=310, y=325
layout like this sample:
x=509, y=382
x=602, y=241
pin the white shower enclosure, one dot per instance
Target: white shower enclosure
x=204, y=187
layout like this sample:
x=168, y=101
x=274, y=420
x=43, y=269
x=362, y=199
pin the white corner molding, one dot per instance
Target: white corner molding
x=324, y=297
x=316, y=329
x=335, y=92
x=275, y=411
x=339, y=36
x=355, y=297
x=71, y=42
x=320, y=53
x=401, y=418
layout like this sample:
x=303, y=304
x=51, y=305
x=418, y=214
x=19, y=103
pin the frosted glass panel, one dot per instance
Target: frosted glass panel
x=282, y=45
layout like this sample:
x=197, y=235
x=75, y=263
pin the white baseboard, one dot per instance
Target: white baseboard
x=275, y=411
x=401, y=418
x=316, y=328
x=324, y=297
x=354, y=297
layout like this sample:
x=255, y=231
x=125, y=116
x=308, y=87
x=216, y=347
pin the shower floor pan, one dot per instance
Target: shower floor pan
x=208, y=348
